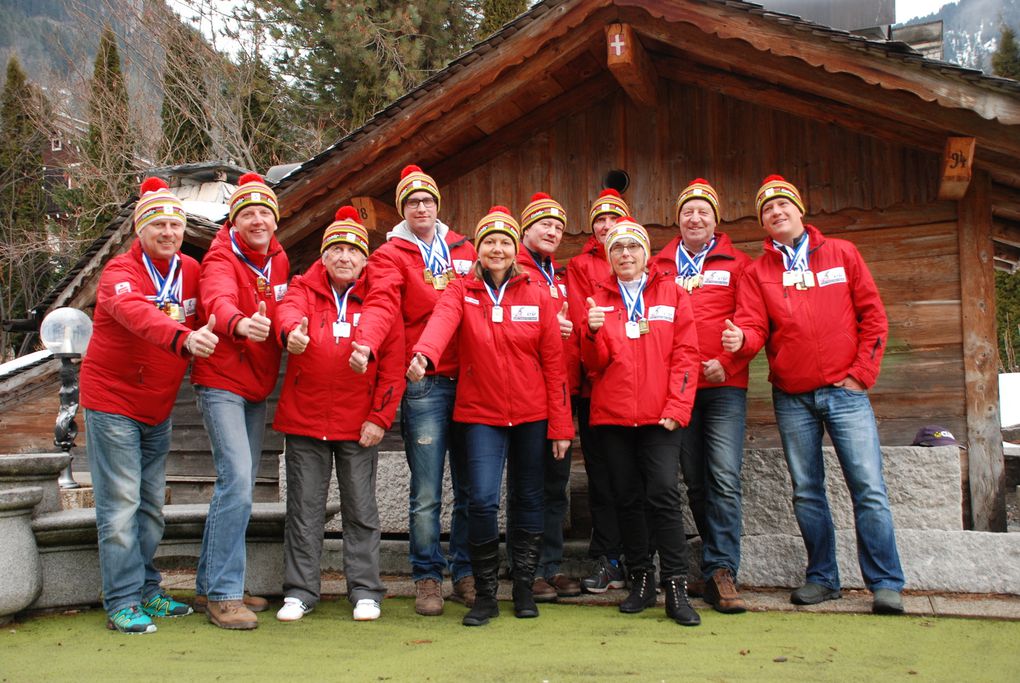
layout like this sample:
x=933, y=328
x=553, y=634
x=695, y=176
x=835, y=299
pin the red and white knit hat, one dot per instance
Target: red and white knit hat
x=155, y=203
x=774, y=187
x=698, y=189
x=346, y=229
x=498, y=220
x=609, y=201
x=413, y=179
x=628, y=228
x=542, y=206
x=251, y=191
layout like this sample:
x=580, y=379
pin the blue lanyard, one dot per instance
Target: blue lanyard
x=261, y=273
x=687, y=265
x=341, y=303
x=496, y=300
x=794, y=259
x=550, y=276
x=168, y=289
x=436, y=256
x=636, y=304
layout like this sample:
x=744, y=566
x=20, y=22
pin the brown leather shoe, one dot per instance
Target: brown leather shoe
x=721, y=593
x=565, y=586
x=464, y=591
x=428, y=600
x=231, y=614
x=696, y=589
x=543, y=591
x=252, y=602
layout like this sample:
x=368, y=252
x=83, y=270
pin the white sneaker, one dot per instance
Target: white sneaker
x=292, y=610
x=366, y=610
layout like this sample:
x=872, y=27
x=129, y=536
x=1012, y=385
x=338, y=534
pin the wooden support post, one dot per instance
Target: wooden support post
x=377, y=216
x=980, y=357
x=630, y=64
x=957, y=166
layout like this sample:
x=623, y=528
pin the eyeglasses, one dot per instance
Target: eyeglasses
x=427, y=202
x=621, y=247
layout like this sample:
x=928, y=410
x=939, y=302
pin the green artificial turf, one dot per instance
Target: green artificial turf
x=566, y=643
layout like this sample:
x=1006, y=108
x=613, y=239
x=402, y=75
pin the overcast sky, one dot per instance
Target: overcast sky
x=908, y=9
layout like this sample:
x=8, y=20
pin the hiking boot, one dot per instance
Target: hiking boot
x=564, y=586
x=367, y=610
x=642, y=592
x=428, y=599
x=231, y=614
x=678, y=606
x=292, y=610
x=721, y=593
x=887, y=601
x=814, y=593
x=608, y=574
x=162, y=605
x=252, y=602
x=464, y=591
x=130, y=620
x=543, y=591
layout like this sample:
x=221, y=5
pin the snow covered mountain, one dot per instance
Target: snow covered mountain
x=971, y=29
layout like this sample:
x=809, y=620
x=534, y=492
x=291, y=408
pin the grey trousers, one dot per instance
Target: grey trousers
x=309, y=464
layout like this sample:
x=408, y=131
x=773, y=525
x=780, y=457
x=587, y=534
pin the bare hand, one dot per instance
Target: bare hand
x=732, y=337
x=596, y=315
x=417, y=367
x=371, y=434
x=566, y=327
x=297, y=340
x=257, y=327
x=359, y=357
x=669, y=424
x=560, y=448
x=202, y=342
x=713, y=370
x=849, y=382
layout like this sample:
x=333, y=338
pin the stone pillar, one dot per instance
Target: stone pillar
x=18, y=470
x=19, y=557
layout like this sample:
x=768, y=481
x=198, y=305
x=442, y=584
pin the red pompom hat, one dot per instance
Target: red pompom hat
x=609, y=201
x=498, y=219
x=156, y=202
x=413, y=179
x=542, y=206
x=774, y=187
x=698, y=189
x=252, y=190
x=346, y=229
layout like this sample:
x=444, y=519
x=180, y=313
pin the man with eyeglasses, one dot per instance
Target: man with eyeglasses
x=408, y=274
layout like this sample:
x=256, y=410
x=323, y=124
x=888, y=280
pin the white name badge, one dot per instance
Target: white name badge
x=341, y=329
x=524, y=314
x=666, y=313
x=461, y=266
x=190, y=307
x=717, y=277
x=471, y=300
x=357, y=319
x=831, y=276
x=497, y=314
x=122, y=288
x=632, y=329
x=279, y=291
x=563, y=288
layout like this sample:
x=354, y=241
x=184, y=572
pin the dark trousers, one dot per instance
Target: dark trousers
x=644, y=464
x=605, y=528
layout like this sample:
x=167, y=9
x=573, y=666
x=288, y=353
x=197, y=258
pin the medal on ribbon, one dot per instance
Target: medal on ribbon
x=263, y=275
x=636, y=324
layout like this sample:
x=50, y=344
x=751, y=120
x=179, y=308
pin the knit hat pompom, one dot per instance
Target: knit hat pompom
x=609, y=201
x=153, y=184
x=250, y=178
x=609, y=192
x=773, y=178
x=157, y=203
x=699, y=188
x=542, y=206
x=346, y=229
x=774, y=187
x=498, y=219
x=409, y=169
x=413, y=179
x=539, y=195
x=253, y=191
x=498, y=209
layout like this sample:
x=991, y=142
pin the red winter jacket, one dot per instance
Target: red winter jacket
x=246, y=368
x=136, y=358
x=816, y=336
x=322, y=397
x=399, y=292
x=503, y=365
x=571, y=346
x=584, y=272
x=639, y=381
x=714, y=303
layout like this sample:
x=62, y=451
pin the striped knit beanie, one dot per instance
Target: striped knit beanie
x=346, y=229
x=252, y=191
x=157, y=203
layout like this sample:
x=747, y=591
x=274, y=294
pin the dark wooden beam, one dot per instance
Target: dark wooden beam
x=1005, y=231
x=630, y=65
x=957, y=167
x=981, y=358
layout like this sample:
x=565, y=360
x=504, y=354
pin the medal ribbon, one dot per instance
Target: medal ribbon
x=687, y=265
x=168, y=289
x=496, y=300
x=550, y=276
x=264, y=272
x=436, y=256
x=794, y=259
x=341, y=303
x=636, y=304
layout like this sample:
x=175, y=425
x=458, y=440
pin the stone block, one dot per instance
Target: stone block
x=19, y=555
x=70, y=577
x=34, y=469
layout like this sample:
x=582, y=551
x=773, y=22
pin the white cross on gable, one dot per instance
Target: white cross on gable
x=617, y=44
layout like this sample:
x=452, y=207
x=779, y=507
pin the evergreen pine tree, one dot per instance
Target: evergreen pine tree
x=1006, y=60
x=496, y=13
x=186, y=125
x=263, y=106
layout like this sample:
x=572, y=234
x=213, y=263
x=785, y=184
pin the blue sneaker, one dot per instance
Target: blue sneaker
x=162, y=605
x=131, y=620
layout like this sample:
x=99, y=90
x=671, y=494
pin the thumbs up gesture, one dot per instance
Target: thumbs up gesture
x=596, y=315
x=255, y=328
x=202, y=342
x=297, y=340
x=416, y=369
x=359, y=357
x=732, y=337
x=566, y=327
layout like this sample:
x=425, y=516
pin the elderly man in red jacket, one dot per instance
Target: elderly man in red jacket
x=144, y=334
x=812, y=303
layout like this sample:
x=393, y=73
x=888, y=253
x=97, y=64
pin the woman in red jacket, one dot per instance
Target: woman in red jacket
x=330, y=414
x=641, y=350
x=510, y=347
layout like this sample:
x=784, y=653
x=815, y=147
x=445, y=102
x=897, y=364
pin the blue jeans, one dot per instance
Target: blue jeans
x=521, y=448
x=127, y=459
x=235, y=428
x=848, y=417
x=426, y=422
x=711, y=457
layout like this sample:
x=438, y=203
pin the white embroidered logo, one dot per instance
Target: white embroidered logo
x=717, y=277
x=666, y=313
x=122, y=288
x=831, y=276
x=524, y=314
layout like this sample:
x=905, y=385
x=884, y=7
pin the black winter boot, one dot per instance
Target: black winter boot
x=678, y=606
x=642, y=591
x=527, y=547
x=485, y=567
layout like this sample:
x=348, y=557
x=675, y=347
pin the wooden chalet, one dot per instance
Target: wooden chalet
x=915, y=161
